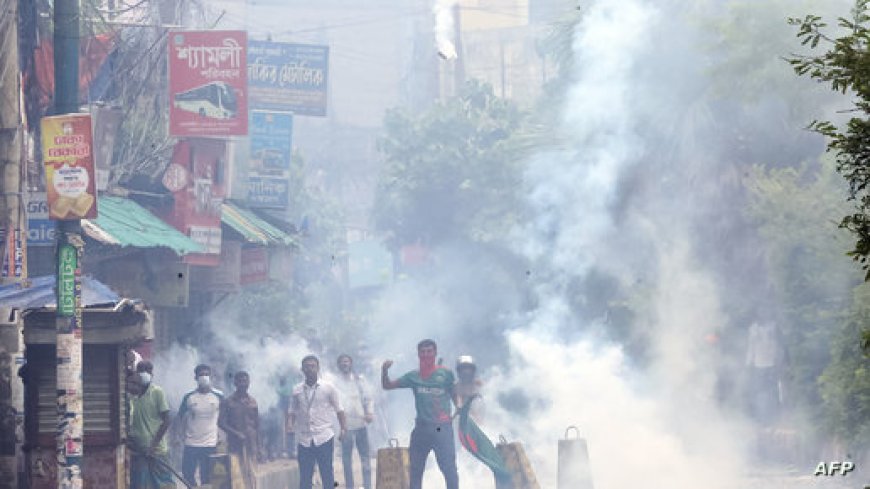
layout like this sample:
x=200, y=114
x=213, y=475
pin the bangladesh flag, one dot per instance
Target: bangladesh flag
x=476, y=442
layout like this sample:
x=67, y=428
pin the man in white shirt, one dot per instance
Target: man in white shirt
x=199, y=423
x=356, y=399
x=310, y=416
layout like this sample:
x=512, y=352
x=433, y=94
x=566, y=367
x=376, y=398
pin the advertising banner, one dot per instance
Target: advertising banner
x=288, y=77
x=67, y=149
x=271, y=141
x=106, y=123
x=208, y=84
x=269, y=163
x=196, y=175
x=68, y=263
x=268, y=192
x=15, y=259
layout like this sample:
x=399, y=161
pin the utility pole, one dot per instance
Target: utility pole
x=68, y=253
x=12, y=203
x=13, y=246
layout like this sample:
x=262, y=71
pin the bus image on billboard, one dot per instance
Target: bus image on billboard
x=216, y=100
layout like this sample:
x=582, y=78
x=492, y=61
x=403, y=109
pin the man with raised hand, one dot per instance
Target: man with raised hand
x=433, y=387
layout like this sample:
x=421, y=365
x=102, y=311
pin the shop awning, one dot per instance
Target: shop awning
x=40, y=294
x=109, y=318
x=122, y=222
x=252, y=227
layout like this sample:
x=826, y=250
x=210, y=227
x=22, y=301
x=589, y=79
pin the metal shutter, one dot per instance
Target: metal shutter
x=100, y=363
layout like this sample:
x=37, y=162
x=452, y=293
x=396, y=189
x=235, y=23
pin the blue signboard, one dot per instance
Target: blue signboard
x=40, y=229
x=288, y=77
x=271, y=134
x=40, y=232
x=272, y=192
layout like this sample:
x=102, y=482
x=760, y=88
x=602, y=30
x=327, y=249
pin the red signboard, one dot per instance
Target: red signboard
x=208, y=83
x=197, y=210
x=255, y=266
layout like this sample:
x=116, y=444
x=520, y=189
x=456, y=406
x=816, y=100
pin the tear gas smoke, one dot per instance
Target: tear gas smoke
x=444, y=24
x=657, y=427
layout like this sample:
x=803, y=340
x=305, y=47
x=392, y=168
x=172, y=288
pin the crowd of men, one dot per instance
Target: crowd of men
x=312, y=408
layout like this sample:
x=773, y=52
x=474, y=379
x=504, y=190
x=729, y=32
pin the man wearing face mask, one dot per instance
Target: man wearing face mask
x=149, y=420
x=433, y=387
x=199, y=413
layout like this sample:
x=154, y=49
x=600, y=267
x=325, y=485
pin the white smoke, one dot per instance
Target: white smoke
x=656, y=428
x=444, y=25
x=267, y=360
x=173, y=371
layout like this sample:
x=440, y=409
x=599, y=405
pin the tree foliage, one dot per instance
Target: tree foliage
x=452, y=172
x=845, y=66
x=795, y=210
x=845, y=383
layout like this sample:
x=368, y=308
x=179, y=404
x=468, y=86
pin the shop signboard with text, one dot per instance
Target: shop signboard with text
x=288, y=77
x=208, y=83
x=269, y=163
x=67, y=150
x=195, y=174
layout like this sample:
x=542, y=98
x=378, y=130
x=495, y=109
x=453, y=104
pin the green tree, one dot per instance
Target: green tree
x=453, y=172
x=825, y=305
x=845, y=66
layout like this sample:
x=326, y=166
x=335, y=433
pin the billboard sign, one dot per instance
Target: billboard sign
x=106, y=123
x=196, y=173
x=208, y=83
x=288, y=77
x=67, y=149
x=268, y=192
x=40, y=229
x=269, y=162
x=271, y=141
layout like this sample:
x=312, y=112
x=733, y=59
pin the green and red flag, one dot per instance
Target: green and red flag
x=478, y=444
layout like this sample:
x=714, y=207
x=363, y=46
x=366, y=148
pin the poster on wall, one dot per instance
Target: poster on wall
x=208, y=83
x=67, y=149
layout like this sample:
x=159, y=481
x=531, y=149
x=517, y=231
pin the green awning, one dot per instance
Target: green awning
x=122, y=222
x=252, y=227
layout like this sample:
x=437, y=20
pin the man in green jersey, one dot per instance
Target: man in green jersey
x=433, y=428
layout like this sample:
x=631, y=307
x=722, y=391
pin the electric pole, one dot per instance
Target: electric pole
x=12, y=204
x=14, y=224
x=68, y=253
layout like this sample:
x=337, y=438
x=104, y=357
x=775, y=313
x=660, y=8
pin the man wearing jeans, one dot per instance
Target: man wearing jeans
x=359, y=411
x=199, y=413
x=433, y=387
x=310, y=417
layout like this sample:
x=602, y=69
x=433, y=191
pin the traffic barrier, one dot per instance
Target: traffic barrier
x=394, y=467
x=573, y=465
